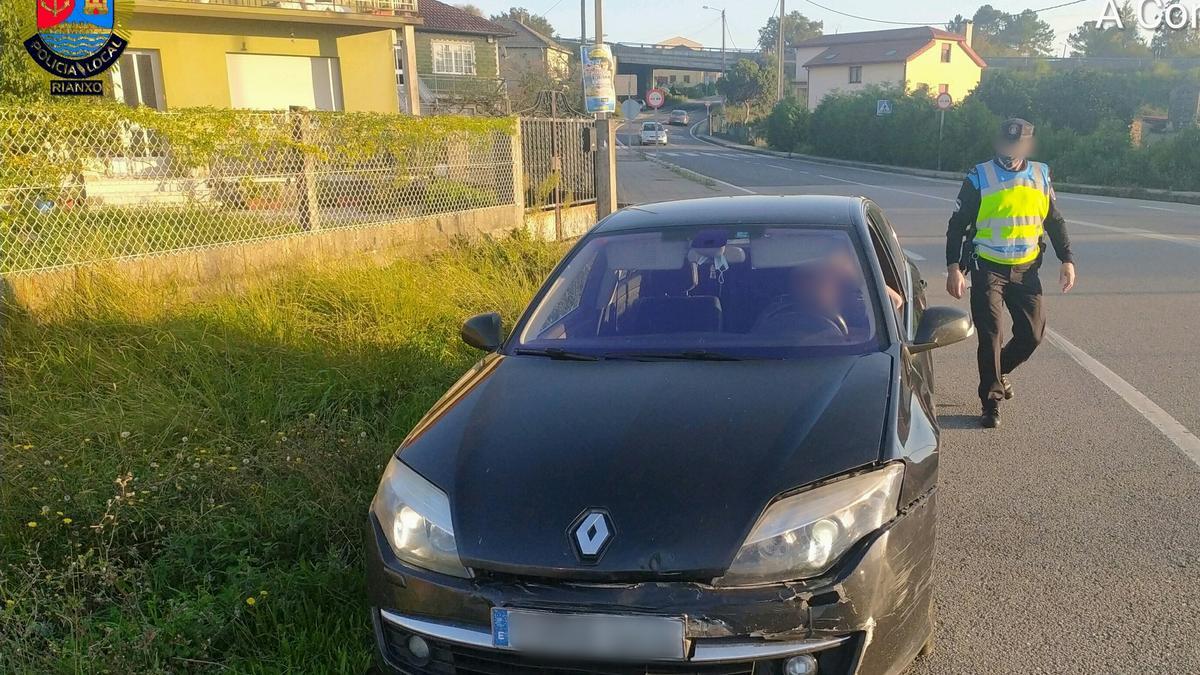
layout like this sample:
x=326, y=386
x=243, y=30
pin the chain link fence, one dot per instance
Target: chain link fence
x=84, y=185
x=558, y=171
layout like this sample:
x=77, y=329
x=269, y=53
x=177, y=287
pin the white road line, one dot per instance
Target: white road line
x=1084, y=199
x=1178, y=434
x=915, y=256
x=1155, y=208
x=884, y=187
x=715, y=180
x=781, y=168
x=1137, y=232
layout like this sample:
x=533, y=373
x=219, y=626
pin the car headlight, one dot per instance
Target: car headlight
x=804, y=535
x=415, y=516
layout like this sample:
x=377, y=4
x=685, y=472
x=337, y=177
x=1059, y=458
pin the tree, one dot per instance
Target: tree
x=537, y=23
x=999, y=33
x=19, y=76
x=1168, y=42
x=470, y=9
x=787, y=125
x=797, y=29
x=744, y=84
x=1112, y=38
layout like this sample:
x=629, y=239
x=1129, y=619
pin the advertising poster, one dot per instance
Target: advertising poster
x=599, y=73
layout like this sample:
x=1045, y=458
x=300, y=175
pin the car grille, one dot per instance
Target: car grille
x=452, y=659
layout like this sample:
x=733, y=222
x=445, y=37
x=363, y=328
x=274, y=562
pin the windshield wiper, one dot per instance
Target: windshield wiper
x=558, y=354
x=687, y=355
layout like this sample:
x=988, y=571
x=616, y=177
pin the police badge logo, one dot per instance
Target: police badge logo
x=76, y=40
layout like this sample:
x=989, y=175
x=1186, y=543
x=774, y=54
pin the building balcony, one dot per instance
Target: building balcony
x=327, y=11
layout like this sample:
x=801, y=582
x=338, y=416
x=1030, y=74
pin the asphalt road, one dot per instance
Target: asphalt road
x=1068, y=540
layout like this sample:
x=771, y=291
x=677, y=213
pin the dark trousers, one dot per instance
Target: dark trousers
x=994, y=287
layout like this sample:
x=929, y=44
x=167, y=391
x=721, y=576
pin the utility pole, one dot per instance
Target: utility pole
x=582, y=22
x=724, y=30
x=779, y=54
x=606, y=143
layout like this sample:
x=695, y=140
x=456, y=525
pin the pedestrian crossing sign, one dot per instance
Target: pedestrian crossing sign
x=883, y=107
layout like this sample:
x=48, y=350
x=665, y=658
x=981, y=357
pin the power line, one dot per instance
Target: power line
x=924, y=23
x=543, y=14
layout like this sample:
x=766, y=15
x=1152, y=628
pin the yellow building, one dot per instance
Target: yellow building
x=670, y=77
x=270, y=54
x=912, y=57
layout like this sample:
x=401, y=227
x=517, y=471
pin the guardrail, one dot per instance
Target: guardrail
x=665, y=48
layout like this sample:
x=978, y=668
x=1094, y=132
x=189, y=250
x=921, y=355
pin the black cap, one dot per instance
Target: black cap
x=1015, y=130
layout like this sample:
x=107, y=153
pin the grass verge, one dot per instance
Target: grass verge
x=185, y=482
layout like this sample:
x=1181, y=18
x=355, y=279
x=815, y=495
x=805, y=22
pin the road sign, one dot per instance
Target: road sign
x=655, y=98
x=630, y=108
x=883, y=107
x=944, y=101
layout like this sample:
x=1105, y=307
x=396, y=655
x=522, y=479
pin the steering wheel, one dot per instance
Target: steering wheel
x=820, y=322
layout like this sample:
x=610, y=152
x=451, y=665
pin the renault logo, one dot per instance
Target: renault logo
x=591, y=533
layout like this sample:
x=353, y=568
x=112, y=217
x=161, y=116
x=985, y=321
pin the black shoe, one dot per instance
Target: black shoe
x=1008, y=390
x=990, y=419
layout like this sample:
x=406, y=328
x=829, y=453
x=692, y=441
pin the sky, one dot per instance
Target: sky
x=655, y=20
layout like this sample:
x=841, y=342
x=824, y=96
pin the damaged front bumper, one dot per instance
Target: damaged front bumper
x=870, y=615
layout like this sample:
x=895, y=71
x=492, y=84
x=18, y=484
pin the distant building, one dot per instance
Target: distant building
x=327, y=55
x=909, y=57
x=458, y=61
x=669, y=77
x=527, y=50
x=680, y=41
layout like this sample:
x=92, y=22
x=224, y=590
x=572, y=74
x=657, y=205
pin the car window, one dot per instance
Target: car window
x=751, y=291
x=896, y=274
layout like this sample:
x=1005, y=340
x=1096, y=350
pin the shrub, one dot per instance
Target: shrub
x=787, y=125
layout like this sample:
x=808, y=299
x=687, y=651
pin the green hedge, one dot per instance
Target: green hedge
x=1078, y=149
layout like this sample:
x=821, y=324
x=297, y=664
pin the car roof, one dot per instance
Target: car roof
x=740, y=210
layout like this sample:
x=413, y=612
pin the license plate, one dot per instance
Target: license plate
x=606, y=636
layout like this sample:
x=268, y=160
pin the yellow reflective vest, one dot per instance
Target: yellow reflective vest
x=1013, y=206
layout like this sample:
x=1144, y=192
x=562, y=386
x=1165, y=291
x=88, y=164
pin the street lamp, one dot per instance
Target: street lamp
x=722, y=11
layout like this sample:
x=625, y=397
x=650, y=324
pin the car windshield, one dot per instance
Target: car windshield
x=651, y=126
x=744, y=292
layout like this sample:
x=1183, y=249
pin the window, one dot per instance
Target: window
x=947, y=50
x=943, y=89
x=274, y=82
x=891, y=260
x=672, y=79
x=855, y=74
x=687, y=79
x=453, y=58
x=750, y=291
x=137, y=79
x=398, y=57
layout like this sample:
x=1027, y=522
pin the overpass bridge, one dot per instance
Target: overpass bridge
x=636, y=58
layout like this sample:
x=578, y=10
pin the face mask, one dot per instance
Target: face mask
x=1009, y=162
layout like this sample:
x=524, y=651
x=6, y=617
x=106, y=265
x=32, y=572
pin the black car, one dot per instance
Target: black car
x=708, y=446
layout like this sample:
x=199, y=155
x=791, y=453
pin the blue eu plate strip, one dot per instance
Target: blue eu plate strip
x=500, y=637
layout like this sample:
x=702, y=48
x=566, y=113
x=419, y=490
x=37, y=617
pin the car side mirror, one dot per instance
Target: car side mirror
x=482, y=331
x=941, y=326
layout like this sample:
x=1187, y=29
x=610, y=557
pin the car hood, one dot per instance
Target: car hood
x=682, y=456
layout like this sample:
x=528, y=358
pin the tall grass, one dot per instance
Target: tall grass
x=185, y=482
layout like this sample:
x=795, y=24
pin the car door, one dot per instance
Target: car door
x=902, y=276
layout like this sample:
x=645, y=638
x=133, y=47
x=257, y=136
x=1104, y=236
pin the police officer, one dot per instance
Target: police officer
x=1004, y=206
